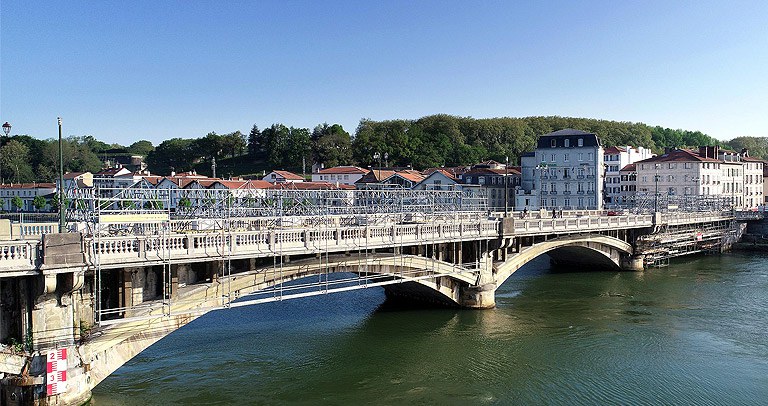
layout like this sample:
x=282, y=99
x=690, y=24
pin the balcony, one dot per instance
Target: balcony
x=579, y=176
x=543, y=192
x=567, y=192
x=553, y=192
x=590, y=176
x=581, y=192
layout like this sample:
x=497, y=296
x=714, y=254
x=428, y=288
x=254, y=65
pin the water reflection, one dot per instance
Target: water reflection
x=692, y=333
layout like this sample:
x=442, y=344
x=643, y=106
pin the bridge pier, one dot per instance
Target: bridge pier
x=479, y=297
x=632, y=263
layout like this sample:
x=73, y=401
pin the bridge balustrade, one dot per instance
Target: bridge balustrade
x=16, y=255
x=121, y=250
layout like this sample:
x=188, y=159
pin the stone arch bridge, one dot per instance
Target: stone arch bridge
x=105, y=298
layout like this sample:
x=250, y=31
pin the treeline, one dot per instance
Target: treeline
x=449, y=140
x=27, y=159
x=431, y=141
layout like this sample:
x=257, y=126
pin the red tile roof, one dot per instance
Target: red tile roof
x=376, y=175
x=629, y=168
x=28, y=186
x=615, y=150
x=244, y=184
x=679, y=155
x=309, y=186
x=447, y=174
x=289, y=175
x=342, y=170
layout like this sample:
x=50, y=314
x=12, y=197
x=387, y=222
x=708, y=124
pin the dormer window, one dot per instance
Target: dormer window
x=553, y=143
x=581, y=142
x=567, y=143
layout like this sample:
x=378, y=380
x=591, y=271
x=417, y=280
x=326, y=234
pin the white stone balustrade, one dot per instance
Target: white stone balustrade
x=123, y=251
x=18, y=255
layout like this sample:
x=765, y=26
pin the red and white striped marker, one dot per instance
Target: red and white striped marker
x=56, y=378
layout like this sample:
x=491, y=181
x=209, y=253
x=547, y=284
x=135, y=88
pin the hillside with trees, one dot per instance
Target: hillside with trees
x=430, y=141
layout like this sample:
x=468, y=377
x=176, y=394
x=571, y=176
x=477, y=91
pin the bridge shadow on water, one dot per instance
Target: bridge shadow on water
x=557, y=336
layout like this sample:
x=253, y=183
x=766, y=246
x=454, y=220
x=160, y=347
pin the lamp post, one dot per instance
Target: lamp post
x=656, y=194
x=62, y=218
x=506, y=190
x=6, y=130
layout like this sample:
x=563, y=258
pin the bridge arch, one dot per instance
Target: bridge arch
x=426, y=279
x=593, y=249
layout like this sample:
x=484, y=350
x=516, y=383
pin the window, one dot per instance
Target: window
x=589, y=157
x=687, y=165
x=554, y=202
x=553, y=143
x=671, y=165
x=581, y=157
x=566, y=143
x=481, y=180
x=581, y=142
x=552, y=158
x=565, y=157
x=542, y=157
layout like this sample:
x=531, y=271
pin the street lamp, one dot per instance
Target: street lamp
x=506, y=190
x=6, y=130
x=62, y=219
x=656, y=195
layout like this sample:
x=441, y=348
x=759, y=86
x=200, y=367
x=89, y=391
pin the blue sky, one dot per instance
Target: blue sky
x=128, y=70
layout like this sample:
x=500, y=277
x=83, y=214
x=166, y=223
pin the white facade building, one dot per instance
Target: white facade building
x=26, y=192
x=344, y=175
x=565, y=172
x=616, y=158
x=707, y=174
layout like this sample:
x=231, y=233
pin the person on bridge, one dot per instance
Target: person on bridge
x=554, y=213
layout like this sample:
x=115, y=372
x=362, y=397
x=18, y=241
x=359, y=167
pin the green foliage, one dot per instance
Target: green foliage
x=142, y=147
x=185, y=202
x=757, y=146
x=255, y=143
x=153, y=205
x=332, y=145
x=14, y=160
x=39, y=202
x=449, y=140
x=17, y=203
x=176, y=154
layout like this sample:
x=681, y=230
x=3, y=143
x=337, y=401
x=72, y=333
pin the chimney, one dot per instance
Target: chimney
x=703, y=151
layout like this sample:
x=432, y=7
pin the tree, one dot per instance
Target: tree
x=176, y=153
x=39, y=202
x=142, y=148
x=331, y=145
x=17, y=203
x=298, y=150
x=14, y=158
x=210, y=146
x=255, y=143
x=233, y=143
x=275, y=141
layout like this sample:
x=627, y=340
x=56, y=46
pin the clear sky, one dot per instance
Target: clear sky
x=128, y=70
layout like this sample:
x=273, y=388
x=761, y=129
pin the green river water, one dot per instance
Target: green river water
x=693, y=333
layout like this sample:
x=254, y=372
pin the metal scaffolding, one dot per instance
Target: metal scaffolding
x=154, y=214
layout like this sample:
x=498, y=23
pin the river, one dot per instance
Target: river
x=695, y=332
